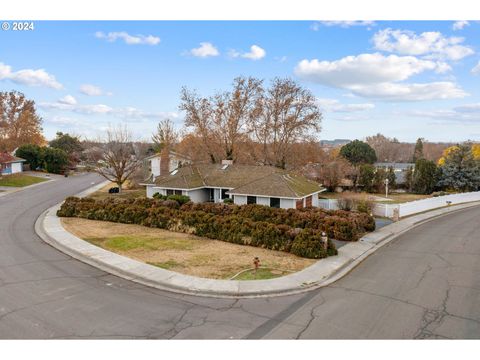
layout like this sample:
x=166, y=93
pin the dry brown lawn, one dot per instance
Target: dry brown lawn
x=184, y=253
x=125, y=194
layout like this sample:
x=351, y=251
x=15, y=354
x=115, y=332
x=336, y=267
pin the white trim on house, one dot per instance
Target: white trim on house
x=174, y=188
x=280, y=197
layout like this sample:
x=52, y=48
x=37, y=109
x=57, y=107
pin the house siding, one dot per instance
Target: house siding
x=239, y=199
x=315, y=200
x=198, y=196
x=151, y=190
x=11, y=168
x=263, y=200
x=17, y=167
x=287, y=203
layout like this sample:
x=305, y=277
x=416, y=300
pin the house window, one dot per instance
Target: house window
x=178, y=192
x=224, y=194
x=275, y=202
x=251, y=199
x=170, y=192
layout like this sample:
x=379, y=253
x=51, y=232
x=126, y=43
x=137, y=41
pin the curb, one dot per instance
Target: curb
x=322, y=273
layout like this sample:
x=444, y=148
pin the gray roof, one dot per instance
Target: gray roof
x=241, y=179
x=402, y=166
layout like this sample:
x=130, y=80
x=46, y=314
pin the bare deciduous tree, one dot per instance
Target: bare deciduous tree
x=232, y=111
x=284, y=115
x=221, y=120
x=119, y=160
x=166, y=136
x=199, y=116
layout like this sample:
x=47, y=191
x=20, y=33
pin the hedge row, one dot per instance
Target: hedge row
x=340, y=224
x=296, y=231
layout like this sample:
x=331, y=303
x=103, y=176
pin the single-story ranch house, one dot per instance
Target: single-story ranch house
x=10, y=164
x=245, y=184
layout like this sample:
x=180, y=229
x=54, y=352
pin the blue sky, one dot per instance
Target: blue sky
x=405, y=79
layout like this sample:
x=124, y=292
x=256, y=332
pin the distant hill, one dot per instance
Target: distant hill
x=336, y=142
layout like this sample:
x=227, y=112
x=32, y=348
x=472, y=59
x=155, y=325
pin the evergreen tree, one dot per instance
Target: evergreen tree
x=357, y=152
x=56, y=160
x=366, y=177
x=424, y=177
x=66, y=142
x=418, y=151
x=460, y=171
x=409, y=179
x=32, y=153
x=392, y=179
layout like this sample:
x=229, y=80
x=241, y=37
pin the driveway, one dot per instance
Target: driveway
x=424, y=284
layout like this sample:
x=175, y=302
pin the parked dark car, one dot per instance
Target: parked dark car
x=113, y=190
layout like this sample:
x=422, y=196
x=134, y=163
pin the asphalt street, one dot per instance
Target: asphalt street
x=424, y=284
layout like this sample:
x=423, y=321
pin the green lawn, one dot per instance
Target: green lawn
x=144, y=242
x=261, y=274
x=20, y=180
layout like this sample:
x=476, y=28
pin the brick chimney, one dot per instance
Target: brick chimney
x=164, y=161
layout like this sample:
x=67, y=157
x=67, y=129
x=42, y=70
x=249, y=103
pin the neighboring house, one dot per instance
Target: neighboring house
x=10, y=164
x=400, y=169
x=245, y=184
x=313, y=170
x=160, y=164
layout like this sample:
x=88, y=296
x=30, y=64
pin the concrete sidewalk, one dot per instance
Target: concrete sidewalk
x=322, y=273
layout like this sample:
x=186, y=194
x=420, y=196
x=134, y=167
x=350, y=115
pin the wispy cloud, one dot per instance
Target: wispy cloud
x=128, y=113
x=343, y=24
x=430, y=44
x=128, y=39
x=93, y=90
x=459, y=25
x=476, y=69
x=333, y=105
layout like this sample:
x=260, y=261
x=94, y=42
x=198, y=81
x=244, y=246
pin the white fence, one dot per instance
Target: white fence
x=383, y=210
x=412, y=207
x=417, y=206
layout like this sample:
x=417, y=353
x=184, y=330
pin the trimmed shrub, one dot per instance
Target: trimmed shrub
x=159, y=196
x=309, y=244
x=181, y=199
x=296, y=231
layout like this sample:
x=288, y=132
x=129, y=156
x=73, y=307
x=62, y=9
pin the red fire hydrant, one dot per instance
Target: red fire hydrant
x=256, y=263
